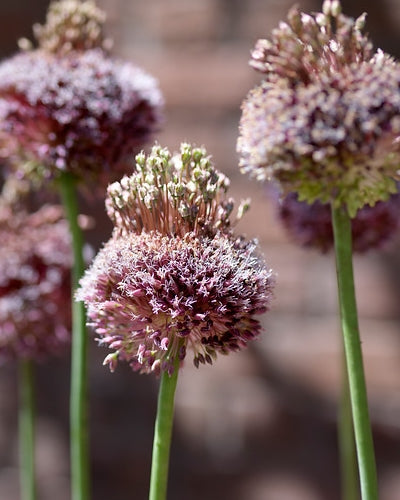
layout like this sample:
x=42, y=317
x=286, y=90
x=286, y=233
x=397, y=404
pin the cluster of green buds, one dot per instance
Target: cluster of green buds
x=173, y=194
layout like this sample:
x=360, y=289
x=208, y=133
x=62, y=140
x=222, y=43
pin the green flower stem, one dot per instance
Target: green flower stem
x=26, y=430
x=162, y=435
x=347, y=449
x=78, y=396
x=354, y=361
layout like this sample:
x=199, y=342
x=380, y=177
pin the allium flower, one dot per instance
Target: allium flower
x=173, y=278
x=68, y=106
x=35, y=289
x=310, y=225
x=325, y=121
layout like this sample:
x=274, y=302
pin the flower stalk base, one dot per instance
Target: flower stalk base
x=347, y=449
x=26, y=430
x=163, y=434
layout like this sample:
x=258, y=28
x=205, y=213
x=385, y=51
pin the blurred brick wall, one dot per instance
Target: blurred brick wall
x=259, y=425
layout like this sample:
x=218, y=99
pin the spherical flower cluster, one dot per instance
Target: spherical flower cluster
x=68, y=106
x=310, y=225
x=326, y=119
x=35, y=265
x=173, y=278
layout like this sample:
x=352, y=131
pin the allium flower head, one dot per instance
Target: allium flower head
x=173, y=278
x=35, y=289
x=68, y=106
x=326, y=119
x=310, y=225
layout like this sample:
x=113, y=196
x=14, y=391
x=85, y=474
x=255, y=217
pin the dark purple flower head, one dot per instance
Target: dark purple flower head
x=35, y=289
x=173, y=278
x=78, y=110
x=326, y=119
x=311, y=225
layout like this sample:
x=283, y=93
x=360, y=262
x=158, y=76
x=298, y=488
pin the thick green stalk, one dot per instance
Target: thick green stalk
x=26, y=430
x=78, y=396
x=347, y=449
x=354, y=361
x=162, y=435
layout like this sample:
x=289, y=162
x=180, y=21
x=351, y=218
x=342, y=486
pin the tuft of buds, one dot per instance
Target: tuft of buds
x=173, y=194
x=309, y=48
x=71, y=25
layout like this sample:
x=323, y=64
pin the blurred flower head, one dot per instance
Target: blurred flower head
x=310, y=225
x=35, y=266
x=173, y=278
x=326, y=119
x=68, y=106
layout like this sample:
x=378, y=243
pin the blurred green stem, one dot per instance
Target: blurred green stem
x=354, y=361
x=347, y=449
x=78, y=396
x=163, y=434
x=26, y=430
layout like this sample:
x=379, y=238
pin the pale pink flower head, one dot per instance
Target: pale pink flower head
x=325, y=121
x=68, y=106
x=173, y=279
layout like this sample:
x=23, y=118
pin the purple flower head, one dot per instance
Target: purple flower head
x=173, y=278
x=326, y=119
x=35, y=268
x=310, y=225
x=68, y=106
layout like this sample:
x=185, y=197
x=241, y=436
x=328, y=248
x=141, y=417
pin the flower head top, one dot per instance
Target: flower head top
x=71, y=25
x=35, y=264
x=68, y=106
x=173, y=194
x=307, y=48
x=173, y=278
x=325, y=121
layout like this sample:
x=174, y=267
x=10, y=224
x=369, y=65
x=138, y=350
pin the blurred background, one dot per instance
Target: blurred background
x=259, y=424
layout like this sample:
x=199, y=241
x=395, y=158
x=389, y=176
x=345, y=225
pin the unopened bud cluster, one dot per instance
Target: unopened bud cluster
x=71, y=25
x=173, y=194
x=309, y=48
